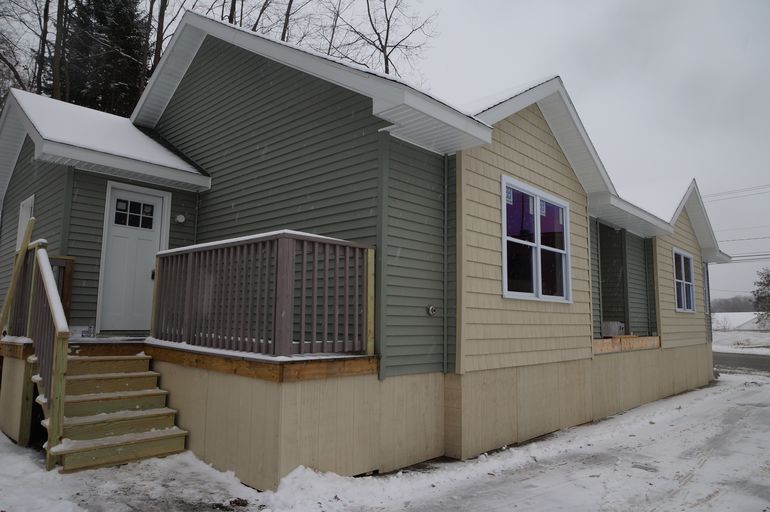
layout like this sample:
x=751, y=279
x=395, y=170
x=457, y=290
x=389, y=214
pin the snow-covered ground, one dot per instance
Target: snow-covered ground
x=704, y=450
x=741, y=342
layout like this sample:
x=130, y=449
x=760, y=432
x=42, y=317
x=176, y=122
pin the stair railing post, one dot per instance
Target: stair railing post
x=32, y=287
x=283, y=320
x=56, y=400
x=18, y=264
x=187, y=315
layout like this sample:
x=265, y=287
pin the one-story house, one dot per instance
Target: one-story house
x=337, y=269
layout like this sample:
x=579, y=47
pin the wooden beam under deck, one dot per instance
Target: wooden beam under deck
x=625, y=344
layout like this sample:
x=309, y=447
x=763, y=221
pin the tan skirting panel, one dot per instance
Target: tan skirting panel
x=350, y=425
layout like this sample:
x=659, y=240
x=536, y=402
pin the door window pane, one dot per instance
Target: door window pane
x=133, y=221
x=519, y=215
x=552, y=273
x=520, y=268
x=551, y=225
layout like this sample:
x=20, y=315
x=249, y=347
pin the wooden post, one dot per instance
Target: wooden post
x=370, y=301
x=187, y=315
x=155, y=301
x=56, y=400
x=32, y=287
x=18, y=263
x=283, y=319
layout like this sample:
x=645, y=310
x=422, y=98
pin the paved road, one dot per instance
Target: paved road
x=751, y=361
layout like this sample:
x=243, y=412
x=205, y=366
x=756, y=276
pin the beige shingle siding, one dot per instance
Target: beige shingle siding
x=679, y=329
x=495, y=332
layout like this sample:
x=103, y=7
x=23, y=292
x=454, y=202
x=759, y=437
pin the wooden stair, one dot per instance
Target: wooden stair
x=114, y=413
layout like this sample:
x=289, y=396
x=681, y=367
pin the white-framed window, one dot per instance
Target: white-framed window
x=536, y=256
x=684, y=281
x=26, y=212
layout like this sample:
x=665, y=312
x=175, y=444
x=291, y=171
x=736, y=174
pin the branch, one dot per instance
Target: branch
x=16, y=75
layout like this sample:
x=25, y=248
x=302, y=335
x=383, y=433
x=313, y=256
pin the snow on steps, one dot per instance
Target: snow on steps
x=92, y=453
x=114, y=413
x=118, y=423
x=82, y=365
x=94, y=403
x=110, y=382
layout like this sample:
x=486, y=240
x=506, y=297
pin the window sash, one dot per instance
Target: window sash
x=537, y=246
x=684, y=288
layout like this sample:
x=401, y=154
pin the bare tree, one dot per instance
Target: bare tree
x=389, y=34
x=159, y=32
x=61, y=12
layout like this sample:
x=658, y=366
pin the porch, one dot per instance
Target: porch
x=278, y=307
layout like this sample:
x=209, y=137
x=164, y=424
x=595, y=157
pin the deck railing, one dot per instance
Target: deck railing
x=280, y=293
x=33, y=309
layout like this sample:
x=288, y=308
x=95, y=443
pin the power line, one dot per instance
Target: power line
x=744, y=228
x=735, y=191
x=736, y=197
x=742, y=239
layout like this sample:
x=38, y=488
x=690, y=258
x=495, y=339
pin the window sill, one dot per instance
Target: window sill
x=690, y=311
x=534, y=298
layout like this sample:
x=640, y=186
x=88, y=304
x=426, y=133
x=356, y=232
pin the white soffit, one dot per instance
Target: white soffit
x=416, y=116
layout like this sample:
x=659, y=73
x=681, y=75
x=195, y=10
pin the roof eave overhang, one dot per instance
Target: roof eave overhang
x=618, y=212
x=116, y=165
x=415, y=117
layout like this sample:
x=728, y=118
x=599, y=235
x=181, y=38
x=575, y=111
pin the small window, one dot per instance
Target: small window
x=535, y=244
x=134, y=214
x=684, y=287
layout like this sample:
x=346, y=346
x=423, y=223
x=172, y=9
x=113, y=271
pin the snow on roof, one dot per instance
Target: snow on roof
x=65, y=123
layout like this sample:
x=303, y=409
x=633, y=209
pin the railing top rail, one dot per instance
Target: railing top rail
x=271, y=235
x=51, y=292
x=37, y=243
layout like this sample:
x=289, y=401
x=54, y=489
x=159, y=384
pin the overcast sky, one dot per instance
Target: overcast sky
x=667, y=91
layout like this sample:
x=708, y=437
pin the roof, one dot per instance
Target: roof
x=416, y=117
x=692, y=203
x=604, y=202
x=92, y=140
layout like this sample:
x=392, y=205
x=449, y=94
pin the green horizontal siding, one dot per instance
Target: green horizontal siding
x=414, y=266
x=451, y=305
x=86, y=225
x=47, y=182
x=285, y=150
x=638, y=305
x=613, y=279
x=596, y=280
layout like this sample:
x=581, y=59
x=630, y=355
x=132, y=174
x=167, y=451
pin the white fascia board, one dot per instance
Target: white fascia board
x=517, y=103
x=712, y=255
x=53, y=151
x=659, y=224
x=188, y=40
x=563, y=126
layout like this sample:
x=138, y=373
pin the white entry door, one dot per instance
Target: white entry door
x=133, y=234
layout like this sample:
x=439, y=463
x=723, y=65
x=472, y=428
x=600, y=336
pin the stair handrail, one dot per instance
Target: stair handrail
x=35, y=311
x=53, y=382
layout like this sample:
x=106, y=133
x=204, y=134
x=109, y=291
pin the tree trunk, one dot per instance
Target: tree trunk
x=285, y=31
x=57, y=49
x=159, y=39
x=231, y=16
x=262, y=10
x=146, y=46
x=41, y=51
